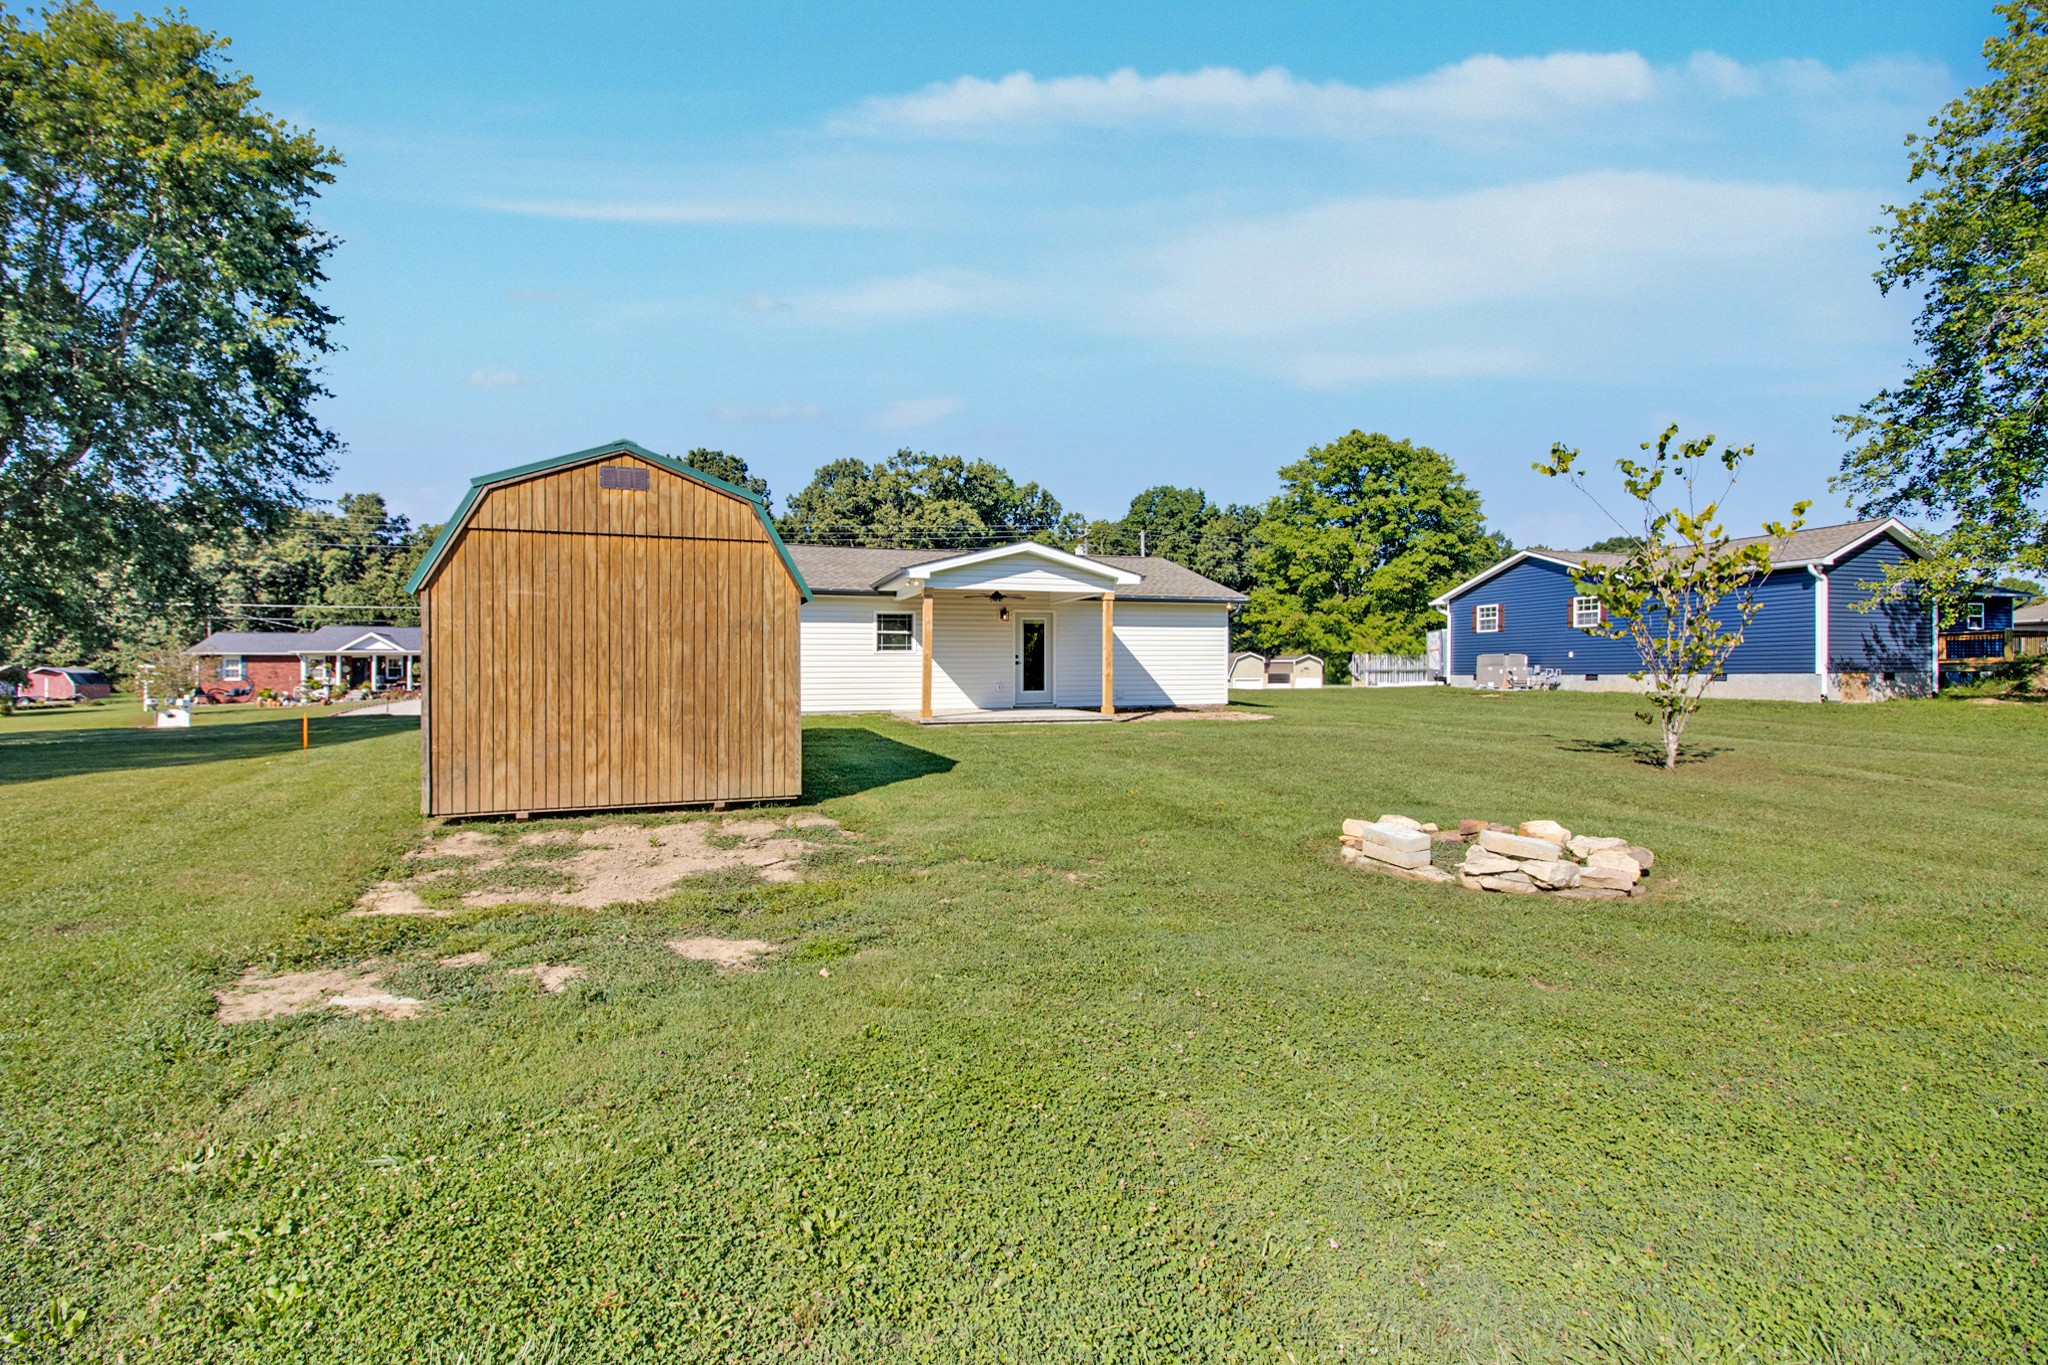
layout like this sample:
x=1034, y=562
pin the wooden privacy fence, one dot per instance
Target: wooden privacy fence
x=1390, y=670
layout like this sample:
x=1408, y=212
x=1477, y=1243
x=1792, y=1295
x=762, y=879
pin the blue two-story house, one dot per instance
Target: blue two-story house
x=1809, y=641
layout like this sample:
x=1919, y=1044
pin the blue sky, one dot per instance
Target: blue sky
x=1109, y=246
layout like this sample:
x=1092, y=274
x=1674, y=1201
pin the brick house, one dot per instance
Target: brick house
x=247, y=663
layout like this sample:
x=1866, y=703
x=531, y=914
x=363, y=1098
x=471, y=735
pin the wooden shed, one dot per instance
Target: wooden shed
x=604, y=630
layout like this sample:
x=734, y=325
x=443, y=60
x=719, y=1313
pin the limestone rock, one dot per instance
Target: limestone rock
x=1520, y=846
x=1643, y=856
x=1468, y=828
x=1480, y=863
x=1392, y=857
x=1555, y=876
x=1612, y=878
x=1545, y=829
x=1590, y=893
x=1425, y=873
x=1428, y=828
x=1587, y=843
x=1515, y=883
x=1618, y=859
x=1389, y=836
x=1400, y=821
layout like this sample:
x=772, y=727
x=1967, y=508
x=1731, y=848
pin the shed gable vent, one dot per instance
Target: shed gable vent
x=630, y=477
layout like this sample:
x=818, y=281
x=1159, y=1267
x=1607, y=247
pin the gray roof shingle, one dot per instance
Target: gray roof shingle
x=1806, y=544
x=856, y=569
x=323, y=640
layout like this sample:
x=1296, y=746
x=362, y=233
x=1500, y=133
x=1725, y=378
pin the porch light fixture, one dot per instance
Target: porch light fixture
x=1003, y=614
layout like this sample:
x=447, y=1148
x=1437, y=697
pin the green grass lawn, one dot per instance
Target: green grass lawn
x=1087, y=1048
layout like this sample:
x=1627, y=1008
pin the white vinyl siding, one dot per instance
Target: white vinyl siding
x=1168, y=653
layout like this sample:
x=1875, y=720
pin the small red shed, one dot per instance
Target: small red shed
x=65, y=684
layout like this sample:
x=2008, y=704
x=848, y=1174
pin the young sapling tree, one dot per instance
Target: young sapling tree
x=1686, y=592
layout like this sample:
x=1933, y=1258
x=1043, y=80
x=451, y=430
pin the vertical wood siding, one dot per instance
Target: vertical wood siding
x=595, y=648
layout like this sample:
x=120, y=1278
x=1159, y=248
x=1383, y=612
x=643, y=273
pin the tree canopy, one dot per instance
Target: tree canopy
x=1965, y=436
x=159, y=335
x=916, y=498
x=731, y=468
x=1365, y=531
x=1181, y=524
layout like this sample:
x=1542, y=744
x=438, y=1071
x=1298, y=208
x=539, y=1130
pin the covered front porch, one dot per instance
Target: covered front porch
x=1021, y=630
x=372, y=662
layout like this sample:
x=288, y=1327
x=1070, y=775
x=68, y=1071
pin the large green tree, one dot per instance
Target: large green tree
x=1181, y=524
x=918, y=499
x=730, y=468
x=159, y=335
x=1964, y=439
x=1366, y=530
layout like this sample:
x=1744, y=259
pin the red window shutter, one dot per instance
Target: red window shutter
x=1475, y=618
x=1603, y=613
x=1500, y=615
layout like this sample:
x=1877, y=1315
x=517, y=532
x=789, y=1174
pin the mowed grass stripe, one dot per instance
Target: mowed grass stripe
x=1113, y=1060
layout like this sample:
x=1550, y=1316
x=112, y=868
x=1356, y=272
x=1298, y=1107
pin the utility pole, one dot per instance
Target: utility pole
x=1141, y=542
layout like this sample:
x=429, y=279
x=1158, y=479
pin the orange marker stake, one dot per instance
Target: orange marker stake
x=305, y=732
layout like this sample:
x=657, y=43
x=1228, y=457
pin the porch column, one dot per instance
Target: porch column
x=408, y=672
x=924, y=706
x=1109, y=654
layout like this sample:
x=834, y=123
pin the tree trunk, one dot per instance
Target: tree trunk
x=1674, y=729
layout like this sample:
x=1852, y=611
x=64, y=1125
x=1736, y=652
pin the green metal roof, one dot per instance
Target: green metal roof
x=481, y=482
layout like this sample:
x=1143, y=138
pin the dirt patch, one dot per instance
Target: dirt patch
x=626, y=864
x=476, y=959
x=616, y=864
x=461, y=843
x=256, y=996
x=552, y=977
x=1202, y=713
x=726, y=954
x=396, y=898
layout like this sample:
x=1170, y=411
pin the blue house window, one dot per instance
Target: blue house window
x=1973, y=616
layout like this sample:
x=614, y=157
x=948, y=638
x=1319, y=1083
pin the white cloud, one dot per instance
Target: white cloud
x=772, y=412
x=1600, y=235
x=1221, y=98
x=906, y=413
x=1481, y=93
x=715, y=212
x=486, y=378
x=924, y=294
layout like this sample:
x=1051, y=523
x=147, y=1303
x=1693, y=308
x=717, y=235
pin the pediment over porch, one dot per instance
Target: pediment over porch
x=1010, y=569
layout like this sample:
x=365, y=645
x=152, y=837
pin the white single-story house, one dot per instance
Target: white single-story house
x=934, y=630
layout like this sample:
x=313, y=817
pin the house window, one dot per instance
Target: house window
x=893, y=632
x=231, y=669
x=1973, y=616
x=1586, y=613
x=1486, y=619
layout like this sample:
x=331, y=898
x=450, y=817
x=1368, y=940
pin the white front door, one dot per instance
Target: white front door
x=1034, y=661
